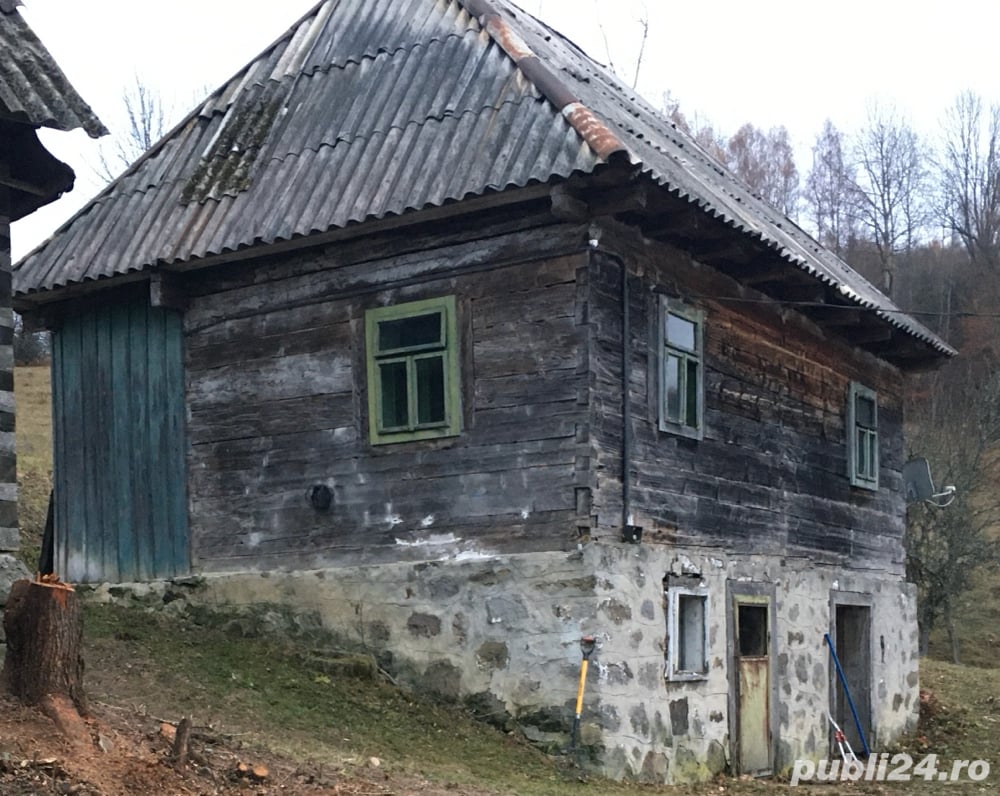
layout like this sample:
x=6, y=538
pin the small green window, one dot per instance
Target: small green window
x=681, y=366
x=413, y=380
x=862, y=436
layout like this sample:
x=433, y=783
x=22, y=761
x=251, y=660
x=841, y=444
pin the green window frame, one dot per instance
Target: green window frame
x=412, y=355
x=682, y=369
x=862, y=436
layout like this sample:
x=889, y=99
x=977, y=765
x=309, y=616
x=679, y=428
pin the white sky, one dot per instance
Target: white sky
x=769, y=62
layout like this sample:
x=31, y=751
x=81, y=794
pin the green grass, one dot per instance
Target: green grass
x=33, y=401
x=263, y=691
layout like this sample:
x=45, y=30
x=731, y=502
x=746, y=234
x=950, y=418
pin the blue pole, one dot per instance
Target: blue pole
x=847, y=692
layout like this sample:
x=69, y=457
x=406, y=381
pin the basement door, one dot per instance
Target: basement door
x=851, y=634
x=751, y=645
x=119, y=442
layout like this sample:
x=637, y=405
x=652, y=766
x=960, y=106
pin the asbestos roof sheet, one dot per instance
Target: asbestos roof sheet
x=366, y=109
x=33, y=89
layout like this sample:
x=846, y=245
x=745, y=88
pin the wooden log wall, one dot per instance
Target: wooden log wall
x=9, y=535
x=277, y=403
x=770, y=475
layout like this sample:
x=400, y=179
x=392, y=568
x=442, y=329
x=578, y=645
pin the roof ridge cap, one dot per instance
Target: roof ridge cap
x=594, y=131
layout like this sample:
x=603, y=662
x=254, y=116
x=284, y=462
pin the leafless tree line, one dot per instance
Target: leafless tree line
x=885, y=188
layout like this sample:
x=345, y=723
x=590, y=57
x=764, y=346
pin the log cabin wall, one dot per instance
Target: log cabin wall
x=770, y=474
x=277, y=402
x=9, y=533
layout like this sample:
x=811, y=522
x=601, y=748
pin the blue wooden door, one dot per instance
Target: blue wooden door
x=119, y=444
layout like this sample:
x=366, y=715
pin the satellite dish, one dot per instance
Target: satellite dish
x=917, y=484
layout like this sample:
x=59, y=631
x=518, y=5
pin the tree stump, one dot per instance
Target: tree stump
x=44, y=625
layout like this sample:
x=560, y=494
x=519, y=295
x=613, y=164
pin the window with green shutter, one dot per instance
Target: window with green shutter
x=681, y=369
x=413, y=375
x=862, y=436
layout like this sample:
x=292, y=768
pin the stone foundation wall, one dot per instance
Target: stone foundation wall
x=503, y=634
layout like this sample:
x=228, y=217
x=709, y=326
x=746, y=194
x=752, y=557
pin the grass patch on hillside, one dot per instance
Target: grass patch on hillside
x=262, y=690
x=33, y=403
x=978, y=625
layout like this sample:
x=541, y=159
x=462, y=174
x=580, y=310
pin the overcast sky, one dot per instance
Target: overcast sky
x=769, y=62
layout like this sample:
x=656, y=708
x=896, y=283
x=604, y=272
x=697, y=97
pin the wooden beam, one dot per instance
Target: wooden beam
x=870, y=334
x=24, y=186
x=834, y=316
x=777, y=273
x=621, y=199
x=567, y=205
x=166, y=290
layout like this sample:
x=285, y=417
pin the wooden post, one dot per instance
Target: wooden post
x=44, y=625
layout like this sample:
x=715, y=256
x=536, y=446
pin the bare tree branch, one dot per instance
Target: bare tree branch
x=970, y=177
x=145, y=124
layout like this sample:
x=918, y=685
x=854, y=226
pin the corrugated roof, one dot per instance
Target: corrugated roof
x=371, y=108
x=33, y=88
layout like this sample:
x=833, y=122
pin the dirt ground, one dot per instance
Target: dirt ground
x=130, y=754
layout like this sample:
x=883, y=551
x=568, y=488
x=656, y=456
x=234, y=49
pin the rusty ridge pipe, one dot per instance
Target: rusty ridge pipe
x=591, y=129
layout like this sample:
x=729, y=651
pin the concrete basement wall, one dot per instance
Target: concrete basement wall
x=503, y=634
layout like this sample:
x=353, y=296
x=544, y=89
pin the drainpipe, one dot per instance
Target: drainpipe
x=629, y=532
x=626, y=409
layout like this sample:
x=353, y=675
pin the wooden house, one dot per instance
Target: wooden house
x=34, y=93
x=428, y=328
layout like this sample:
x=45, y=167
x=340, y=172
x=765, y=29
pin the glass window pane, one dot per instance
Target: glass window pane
x=680, y=331
x=672, y=387
x=752, y=629
x=395, y=402
x=691, y=633
x=418, y=330
x=430, y=390
x=864, y=411
x=872, y=454
x=691, y=388
x=863, y=467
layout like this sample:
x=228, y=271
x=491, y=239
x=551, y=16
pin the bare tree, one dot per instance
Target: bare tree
x=957, y=430
x=766, y=162
x=145, y=124
x=698, y=127
x=891, y=186
x=970, y=177
x=643, y=21
x=828, y=190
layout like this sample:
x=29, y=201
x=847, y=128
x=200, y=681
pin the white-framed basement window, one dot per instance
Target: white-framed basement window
x=862, y=436
x=687, y=633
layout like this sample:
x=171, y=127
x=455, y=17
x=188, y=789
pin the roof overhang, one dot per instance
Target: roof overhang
x=34, y=176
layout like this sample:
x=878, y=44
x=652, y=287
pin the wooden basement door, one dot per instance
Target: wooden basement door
x=753, y=668
x=119, y=443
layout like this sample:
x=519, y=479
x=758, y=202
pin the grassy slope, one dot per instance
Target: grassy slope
x=33, y=398
x=263, y=689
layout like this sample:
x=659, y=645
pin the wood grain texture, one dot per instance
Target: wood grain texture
x=770, y=475
x=276, y=392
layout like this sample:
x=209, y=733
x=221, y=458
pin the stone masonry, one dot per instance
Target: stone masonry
x=503, y=632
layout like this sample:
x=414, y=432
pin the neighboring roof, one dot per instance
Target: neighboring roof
x=370, y=108
x=33, y=89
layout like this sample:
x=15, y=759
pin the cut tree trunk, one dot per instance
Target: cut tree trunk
x=44, y=625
